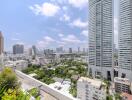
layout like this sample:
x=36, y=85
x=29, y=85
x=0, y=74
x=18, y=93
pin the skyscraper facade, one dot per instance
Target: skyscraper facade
x=18, y=49
x=1, y=43
x=125, y=39
x=34, y=49
x=101, y=38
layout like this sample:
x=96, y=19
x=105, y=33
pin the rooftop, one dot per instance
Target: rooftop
x=94, y=82
x=126, y=96
x=63, y=88
x=122, y=80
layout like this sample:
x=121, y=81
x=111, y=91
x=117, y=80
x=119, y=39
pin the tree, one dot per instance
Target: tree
x=8, y=80
x=10, y=94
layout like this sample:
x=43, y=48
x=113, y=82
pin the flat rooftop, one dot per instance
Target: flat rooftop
x=94, y=82
x=63, y=88
x=122, y=80
x=126, y=96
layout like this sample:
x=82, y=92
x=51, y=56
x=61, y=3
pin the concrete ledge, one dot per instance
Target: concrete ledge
x=53, y=92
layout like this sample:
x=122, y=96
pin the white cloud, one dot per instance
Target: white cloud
x=60, y=35
x=70, y=39
x=17, y=33
x=45, y=42
x=84, y=33
x=20, y=42
x=48, y=39
x=65, y=18
x=15, y=39
x=46, y=9
x=59, y=1
x=64, y=8
x=78, y=3
x=80, y=24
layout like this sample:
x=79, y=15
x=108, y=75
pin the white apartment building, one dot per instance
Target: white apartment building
x=125, y=39
x=19, y=64
x=89, y=89
x=122, y=85
x=101, y=38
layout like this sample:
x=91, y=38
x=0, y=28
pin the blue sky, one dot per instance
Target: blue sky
x=45, y=23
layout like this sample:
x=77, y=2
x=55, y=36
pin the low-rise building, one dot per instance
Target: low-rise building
x=122, y=85
x=90, y=89
x=19, y=64
x=126, y=96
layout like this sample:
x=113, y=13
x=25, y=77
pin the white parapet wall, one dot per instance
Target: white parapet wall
x=51, y=91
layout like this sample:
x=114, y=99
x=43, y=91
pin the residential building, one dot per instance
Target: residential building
x=1, y=43
x=18, y=49
x=101, y=38
x=125, y=39
x=126, y=96
x=70, y=50
x=78, y=49
x=90, y=89
x=122, y=85
x=30, y=52
x=84, y=50
x=34, y=50
x=48, y=51
x=59, y=50
x=19, y=64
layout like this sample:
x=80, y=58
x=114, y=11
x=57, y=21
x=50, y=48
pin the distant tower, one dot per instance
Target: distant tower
x=1, y=43
x=30, y=52
x=78, y=49
x=34, y=50
x=84, y=50
x=70, y=50
x=18, y=49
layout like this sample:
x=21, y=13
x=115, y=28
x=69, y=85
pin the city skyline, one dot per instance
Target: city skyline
x=66, y=26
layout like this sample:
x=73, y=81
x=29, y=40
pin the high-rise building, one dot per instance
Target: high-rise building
x=18, y=49
x=84, y=50
x=59, y=50
x=101, y=24
x=34, y=50
x=78, y=49
x=30, y=52
x=125, y=39
x=1, y=43
x=70, y=50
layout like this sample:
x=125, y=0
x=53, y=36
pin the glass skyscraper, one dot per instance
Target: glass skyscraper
x=101, y=38
x=125, y=39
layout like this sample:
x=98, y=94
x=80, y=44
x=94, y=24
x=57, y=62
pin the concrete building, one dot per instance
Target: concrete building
x=1, y=43
x=70, y=50
x=78, y=49
x=101, y=38
x=18, y=49
x=48, y=51
x=59, y=50
x=89, y=89
x=126, y=96
x=34, y=50
x=125, y=39
x=30, y=52
x=122, y=85
x=19, y=64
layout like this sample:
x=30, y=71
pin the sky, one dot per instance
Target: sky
x=46, y=23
